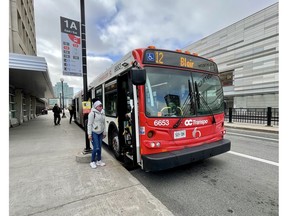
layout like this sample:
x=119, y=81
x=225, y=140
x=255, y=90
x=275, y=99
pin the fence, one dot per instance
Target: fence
x=268, y=116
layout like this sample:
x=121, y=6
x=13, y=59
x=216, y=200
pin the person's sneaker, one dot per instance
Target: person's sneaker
x=93, y=165
x=100, y=163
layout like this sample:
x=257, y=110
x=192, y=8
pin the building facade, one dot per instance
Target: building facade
x=22, y=37
x=29, y=81
x=68, y=95
x=247, y=54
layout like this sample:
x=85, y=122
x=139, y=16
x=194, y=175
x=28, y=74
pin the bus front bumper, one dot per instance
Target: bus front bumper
x=167, y=160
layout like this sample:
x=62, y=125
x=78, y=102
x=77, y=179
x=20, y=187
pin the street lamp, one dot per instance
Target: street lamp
x=60, y=104
x=63, y=116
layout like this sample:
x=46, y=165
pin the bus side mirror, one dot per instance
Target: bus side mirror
x=138, y=76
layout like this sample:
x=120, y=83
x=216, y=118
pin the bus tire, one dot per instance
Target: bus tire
x=115, y=145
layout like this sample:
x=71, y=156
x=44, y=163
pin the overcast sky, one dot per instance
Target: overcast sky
x=114, y=27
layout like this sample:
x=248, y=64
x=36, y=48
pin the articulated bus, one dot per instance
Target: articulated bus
x=163, y=108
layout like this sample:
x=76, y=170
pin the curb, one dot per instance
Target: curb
x=253, y=128
x=83, y=158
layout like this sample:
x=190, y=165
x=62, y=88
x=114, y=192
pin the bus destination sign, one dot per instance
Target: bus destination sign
x=163, y=57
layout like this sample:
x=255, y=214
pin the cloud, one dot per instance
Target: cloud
x=114, y=27
x=97, y=65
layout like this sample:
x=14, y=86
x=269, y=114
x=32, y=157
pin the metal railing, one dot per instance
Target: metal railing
x=268, y=116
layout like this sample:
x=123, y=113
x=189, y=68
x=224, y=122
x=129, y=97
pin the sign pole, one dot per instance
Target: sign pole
x=87, y=148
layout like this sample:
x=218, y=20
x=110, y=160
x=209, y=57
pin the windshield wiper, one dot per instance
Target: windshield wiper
x=189, y=98
x=198, y=96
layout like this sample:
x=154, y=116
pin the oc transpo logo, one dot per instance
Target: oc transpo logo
x=190, y=122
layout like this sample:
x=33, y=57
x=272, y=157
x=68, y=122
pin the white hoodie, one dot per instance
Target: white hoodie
x=96, y=122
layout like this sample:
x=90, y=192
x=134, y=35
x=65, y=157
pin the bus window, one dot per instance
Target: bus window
x=164, y=97
x=98, y=93
x=150, y=105
x=211, y=93
x=111, y=98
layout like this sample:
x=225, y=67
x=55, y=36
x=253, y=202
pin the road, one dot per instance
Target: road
x=242, y=182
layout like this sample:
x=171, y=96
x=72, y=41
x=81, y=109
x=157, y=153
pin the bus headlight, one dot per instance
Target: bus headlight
x=153, y=144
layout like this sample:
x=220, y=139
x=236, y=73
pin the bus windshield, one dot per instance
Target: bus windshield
x=171, y=93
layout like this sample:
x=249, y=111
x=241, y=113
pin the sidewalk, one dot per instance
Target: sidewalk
x=45, y=179
x=255, y=127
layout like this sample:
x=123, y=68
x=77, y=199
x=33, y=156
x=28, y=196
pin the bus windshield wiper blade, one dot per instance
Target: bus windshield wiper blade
x=198, y=96
x=189, y=98
x=178, y=122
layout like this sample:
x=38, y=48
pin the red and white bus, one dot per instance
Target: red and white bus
x=175, y=103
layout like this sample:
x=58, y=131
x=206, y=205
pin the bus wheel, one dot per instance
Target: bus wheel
x=115, y=145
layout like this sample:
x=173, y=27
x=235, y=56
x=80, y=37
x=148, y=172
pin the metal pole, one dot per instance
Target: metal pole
x=87, y=148
x=60, y=99
x=63, y=116
x=269, y=116
x=230, y=115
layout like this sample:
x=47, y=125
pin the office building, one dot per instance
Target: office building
x=247, y=54
x=22, y=39
x=29, y=81
x=68, y=95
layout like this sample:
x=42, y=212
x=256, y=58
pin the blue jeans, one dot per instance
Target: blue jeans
x=97, y=145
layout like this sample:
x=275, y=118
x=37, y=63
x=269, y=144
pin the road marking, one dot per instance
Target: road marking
x=254, y=158
x=251, y=136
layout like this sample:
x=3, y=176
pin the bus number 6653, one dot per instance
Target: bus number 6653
x=161, y=122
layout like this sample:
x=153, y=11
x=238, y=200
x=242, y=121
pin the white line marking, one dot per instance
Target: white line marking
x=257, y=137
x=254, y=158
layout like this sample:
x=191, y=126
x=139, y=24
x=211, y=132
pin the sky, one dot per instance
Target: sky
x=114, y=27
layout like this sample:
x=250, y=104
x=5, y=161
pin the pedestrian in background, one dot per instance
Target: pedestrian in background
x=71, y=112
x=57, y=118
x=96, y=132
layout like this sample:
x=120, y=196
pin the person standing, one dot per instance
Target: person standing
x=71, y=112
x=57, y=118
x=96, y=132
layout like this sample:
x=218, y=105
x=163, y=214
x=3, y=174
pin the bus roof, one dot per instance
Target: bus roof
x=155, y=56
x=117, y=68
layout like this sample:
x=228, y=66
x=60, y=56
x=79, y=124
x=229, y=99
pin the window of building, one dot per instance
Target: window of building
x=31, y=107
x=12, y=109
x=24, y=107
x=226, y=78
x=20, y=28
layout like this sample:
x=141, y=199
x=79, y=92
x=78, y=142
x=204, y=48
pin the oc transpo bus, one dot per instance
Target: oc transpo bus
x=162, y=108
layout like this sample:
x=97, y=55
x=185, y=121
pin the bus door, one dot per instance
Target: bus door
x=126, y=119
